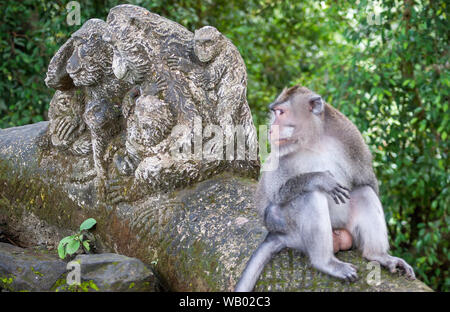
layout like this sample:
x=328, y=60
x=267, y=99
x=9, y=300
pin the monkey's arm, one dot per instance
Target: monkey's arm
x=260, y=197
x=308, y=182
x=212, y=76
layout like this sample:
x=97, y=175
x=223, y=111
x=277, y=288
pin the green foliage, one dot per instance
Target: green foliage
x=394, y=86
x=87, y=224
x=86, y=286
x=391, y=80
x=70, y=244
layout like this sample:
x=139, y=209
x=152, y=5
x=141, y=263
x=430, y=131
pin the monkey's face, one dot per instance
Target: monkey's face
x=206, y=50
x=83, y=66
x=296, y=120
x=154, y=118
x=208, y=42
x=130, y=63
x=63, y=101
x=100, y=113
x=282, y=124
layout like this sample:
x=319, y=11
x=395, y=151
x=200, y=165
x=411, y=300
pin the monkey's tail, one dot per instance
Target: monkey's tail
x=268, y=248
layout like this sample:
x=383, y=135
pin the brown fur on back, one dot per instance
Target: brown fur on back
x=339, y=126
x=288, y=92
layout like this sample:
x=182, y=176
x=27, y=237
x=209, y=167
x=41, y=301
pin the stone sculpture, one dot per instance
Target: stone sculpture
x=126, y=85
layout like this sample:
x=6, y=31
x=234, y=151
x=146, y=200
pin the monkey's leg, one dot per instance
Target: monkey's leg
x=98, y=148
x=274, y=219
x=368, y=228
x=313, y=235
x=268, y=248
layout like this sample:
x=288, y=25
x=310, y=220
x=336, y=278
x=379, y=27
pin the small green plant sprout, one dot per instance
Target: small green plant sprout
x=70, y=244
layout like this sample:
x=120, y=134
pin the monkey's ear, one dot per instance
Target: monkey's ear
x=316, y=105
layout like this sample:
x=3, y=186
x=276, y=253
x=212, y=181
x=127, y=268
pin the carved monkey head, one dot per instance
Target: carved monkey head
x=208, y=43
x=92, y=56
x=154, y=118
x=131, y=62
x=126, y=33
x=99, y=114
x=296, y=118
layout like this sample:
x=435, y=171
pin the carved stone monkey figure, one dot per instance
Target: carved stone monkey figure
x=84, y=63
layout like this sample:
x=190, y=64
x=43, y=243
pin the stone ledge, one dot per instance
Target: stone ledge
x=201, y=237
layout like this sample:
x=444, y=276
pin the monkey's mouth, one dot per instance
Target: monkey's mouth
x=284, y=141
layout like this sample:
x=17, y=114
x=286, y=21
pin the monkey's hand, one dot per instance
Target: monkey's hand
x=310, y=182
x=173, y=62
x=65, y=127
x=177, y=63
x=149, y=172
x=83, y=146
x=329, y=185
x=161, y=84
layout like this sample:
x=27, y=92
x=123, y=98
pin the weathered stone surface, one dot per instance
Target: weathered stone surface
x=28, y=269
x=113, y=272
x=37, y=269
x=201, y=237
x=136, y=89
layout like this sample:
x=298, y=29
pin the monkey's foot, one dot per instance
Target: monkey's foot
x=119, y=190
x=339, y=269
x=394, y=263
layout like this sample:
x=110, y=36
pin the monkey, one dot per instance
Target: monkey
x=67, y=130
x=89, y=65
x=149, y=124
x=204, y=77
x=149, y=121
x=217, y=78
x=101, y=118
x=324, y=181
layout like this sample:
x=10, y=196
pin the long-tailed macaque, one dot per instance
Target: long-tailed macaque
x=323, y=189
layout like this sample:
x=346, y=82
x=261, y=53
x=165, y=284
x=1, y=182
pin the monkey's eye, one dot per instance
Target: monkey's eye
x=279, y=112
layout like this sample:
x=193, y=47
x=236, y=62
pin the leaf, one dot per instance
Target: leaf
x=72, y=247
x=62, y=246
x=86, y=245
x=87, y=224
x=61, y=251
x=93, y=286
x=66, y=239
